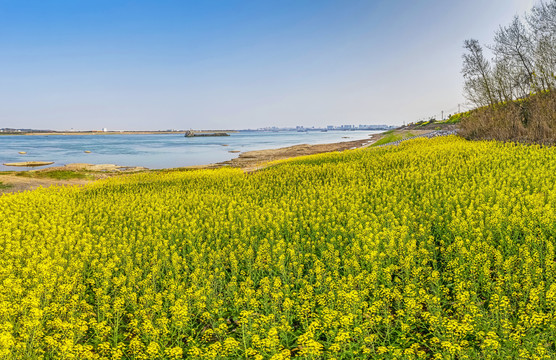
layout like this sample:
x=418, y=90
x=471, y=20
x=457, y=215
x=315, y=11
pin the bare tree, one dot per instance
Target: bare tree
x=542, y=19
x=504, y=87
x=512, y=45
x=524, y=59
x=542, y=22
x=477, y=74
x=523, y=67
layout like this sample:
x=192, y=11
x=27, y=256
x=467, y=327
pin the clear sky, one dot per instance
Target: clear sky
x=214, y=64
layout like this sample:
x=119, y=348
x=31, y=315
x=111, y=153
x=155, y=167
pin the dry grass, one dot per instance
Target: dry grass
x=531, y=120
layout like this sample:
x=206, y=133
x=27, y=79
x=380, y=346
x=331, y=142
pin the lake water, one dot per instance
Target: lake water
x=155, y=151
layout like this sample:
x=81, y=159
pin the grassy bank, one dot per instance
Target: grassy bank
x=393, y=135
x=438, y=248
x=56, y=174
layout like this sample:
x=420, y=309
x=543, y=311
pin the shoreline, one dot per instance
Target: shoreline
x=257, y=159
x=248, y=161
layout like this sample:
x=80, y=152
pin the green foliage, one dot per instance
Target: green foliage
x=456, y=118
x=4, y=186
x=393, y=136
x=55, y=174
x=387, y=139
x=425, y=122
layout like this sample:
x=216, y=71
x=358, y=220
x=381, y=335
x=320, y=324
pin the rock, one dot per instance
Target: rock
x=76, y=166
x=30, y=163
x=234, y=151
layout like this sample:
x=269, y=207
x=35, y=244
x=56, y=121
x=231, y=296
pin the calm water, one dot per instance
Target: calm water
x=154, y=151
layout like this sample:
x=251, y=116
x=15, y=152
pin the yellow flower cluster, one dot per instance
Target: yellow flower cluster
x=435, y=249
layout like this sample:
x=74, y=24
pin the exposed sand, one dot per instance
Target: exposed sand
x=30, y=163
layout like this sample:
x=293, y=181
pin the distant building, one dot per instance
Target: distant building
x=104, y=130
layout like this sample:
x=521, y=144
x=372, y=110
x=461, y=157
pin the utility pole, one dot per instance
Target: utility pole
x=442, y=117
x=459, y=108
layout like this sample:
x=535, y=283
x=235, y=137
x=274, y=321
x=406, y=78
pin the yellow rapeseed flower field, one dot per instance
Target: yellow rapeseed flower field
x=435, y=249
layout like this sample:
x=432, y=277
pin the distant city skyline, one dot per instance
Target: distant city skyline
x=265, y=128
x=145, y=65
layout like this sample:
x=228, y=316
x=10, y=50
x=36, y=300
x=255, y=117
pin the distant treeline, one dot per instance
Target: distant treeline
x=514, y=91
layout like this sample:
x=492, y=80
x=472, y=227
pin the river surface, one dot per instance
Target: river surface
x=155, y=151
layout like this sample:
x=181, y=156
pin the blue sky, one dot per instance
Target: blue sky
x=89, y=64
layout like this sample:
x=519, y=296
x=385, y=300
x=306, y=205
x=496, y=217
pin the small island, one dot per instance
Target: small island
x=191, y=133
